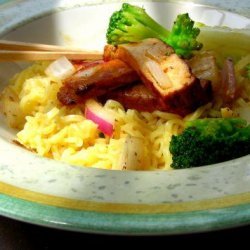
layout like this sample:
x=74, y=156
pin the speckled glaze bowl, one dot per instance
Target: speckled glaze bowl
x=46, y=192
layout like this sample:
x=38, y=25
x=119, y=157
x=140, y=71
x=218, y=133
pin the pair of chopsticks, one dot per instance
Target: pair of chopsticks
x=22, y=51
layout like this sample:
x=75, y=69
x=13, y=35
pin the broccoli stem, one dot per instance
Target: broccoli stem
x=133, y=24
x=141, y=16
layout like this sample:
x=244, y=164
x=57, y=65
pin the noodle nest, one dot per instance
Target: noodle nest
x=51, y=130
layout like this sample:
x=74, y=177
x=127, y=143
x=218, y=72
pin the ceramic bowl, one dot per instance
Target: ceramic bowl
x=50, y=193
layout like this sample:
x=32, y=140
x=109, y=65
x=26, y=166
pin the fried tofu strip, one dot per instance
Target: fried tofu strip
x=166, y=75
x=135, y=96
x=139, y=97
x=95, y=80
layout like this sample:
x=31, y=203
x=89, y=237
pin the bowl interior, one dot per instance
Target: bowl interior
x=85, y=26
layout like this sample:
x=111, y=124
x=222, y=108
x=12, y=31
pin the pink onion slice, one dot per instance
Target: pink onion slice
x=100, y=116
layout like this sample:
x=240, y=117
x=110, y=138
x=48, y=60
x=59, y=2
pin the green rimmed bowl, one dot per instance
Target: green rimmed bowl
x=46, y=192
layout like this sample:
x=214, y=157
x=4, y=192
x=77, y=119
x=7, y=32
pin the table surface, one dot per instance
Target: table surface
x=15, y=235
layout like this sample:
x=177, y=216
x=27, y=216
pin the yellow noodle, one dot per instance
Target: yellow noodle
x=45, y=127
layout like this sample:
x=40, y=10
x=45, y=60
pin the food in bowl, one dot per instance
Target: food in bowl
x=157, y=99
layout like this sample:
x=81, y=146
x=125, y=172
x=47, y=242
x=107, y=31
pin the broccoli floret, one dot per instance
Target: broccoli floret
x=133, y=24
x=210, y=140
x=248, y=71
x=183, y=36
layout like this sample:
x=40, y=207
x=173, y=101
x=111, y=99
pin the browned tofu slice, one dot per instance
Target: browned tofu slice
x=135, y=96
x=163, y=73
x=95, y=80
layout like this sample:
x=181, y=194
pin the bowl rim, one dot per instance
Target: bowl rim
x=104, y=222
x=125, y=224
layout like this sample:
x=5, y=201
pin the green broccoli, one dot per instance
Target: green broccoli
x=210, y=140
x=133, y=24
x=248, y=71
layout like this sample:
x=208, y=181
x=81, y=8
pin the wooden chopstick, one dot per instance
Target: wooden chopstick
x=21, y=51
x=7, y=56
x=16, y=45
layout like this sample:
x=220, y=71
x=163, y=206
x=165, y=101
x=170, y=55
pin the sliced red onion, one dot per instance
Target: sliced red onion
x=100, y=116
